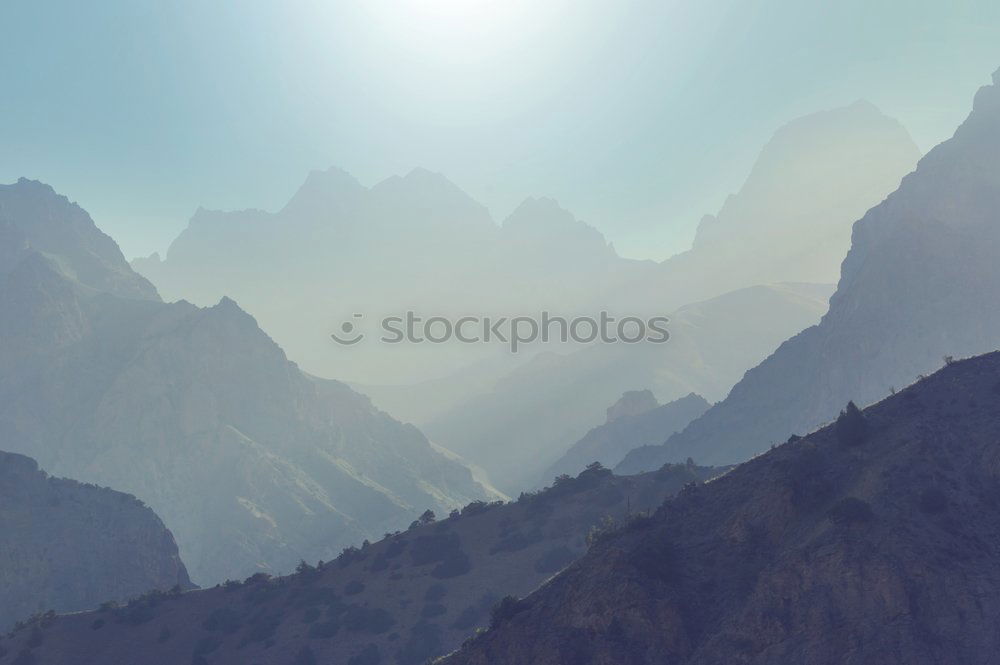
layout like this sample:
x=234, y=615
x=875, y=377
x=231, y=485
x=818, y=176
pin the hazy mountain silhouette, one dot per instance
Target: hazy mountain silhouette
x=418, y=242
x=918, y=284
x=408, y=243
x=408, y=598
x=871, y=541
x=791, y=220
x=533, y=415
x=68, y=547
x=251, y=463
x=634, y=420
x=64, y=233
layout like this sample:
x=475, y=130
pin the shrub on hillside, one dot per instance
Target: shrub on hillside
x=505, y=610
x=224, y=619
x=850, y=510
x=433, y=548
x=933, y=500
x=432, y=610
x=305, y=656
x=851, y=427
x=457, y=563
x=435, y=592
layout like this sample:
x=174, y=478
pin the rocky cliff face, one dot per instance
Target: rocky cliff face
x=411, y=597
x=919, y=284
x=869, y=541
x=67, y=547
x=251, y=463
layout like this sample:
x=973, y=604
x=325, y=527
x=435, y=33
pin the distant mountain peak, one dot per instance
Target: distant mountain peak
x=543, y=218
x=324, y=190
x=927, y=252
x=421, y=174
x=632, y=403
x=542, y=209
x=424, y=183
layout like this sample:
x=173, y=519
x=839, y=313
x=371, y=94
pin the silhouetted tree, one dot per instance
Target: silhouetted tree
x=851, y=427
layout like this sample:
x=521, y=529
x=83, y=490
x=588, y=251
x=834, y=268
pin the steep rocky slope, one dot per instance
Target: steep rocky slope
x=871, y=541
x=251, y=463
x=634, y=420
x=410, y=597
x=919, y=284
x=66, y=546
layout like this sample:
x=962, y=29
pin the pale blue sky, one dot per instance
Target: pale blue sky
x=637, y=116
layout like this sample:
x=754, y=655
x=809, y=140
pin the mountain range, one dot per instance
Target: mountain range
x=535, y=414
x=250, y=462
x=342, y=253
x=917, y=286
x=791, y=220
x=418, y=242
x=635, y=420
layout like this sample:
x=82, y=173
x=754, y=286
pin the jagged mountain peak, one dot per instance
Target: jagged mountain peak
x=541, y=212
x=422, y=186
x=632, y=403
x=323, y=192
x=36, y=218
x=549, y=227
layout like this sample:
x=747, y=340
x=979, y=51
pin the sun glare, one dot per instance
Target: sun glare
x=455, y=31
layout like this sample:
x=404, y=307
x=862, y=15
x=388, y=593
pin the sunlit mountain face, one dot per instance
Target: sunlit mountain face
x=498, y=332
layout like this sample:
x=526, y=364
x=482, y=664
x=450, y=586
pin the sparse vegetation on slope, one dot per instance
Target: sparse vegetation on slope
x=815, y=552
x=413, y=595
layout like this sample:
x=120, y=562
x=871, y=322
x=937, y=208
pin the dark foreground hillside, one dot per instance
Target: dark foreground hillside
x=874, y=540
x=410, y=597
x=68, y=546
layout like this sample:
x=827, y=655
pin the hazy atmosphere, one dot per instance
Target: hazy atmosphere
x=463, y=332
x=639, y=117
